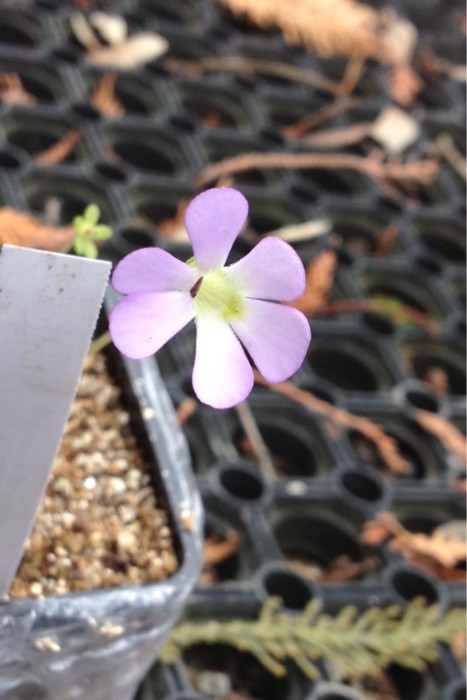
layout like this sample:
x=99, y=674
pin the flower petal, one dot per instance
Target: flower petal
x=213, y=220
x=222, y=375
x=152, y=270
x=140, y=324
x=277, y=338
x=272, y=270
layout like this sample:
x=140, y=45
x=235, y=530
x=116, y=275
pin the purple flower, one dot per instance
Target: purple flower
x=231, y=305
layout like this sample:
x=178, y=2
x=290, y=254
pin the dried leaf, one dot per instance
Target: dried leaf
x=60, y=150
x=22, y=229
x=447, y=433
x=12, y=90
x=319, y=280
x=343, y=27
x=395, y=130
x=217, y=549
x=104, y=98
x=440, y=547
x=135, y=51
x=343, y=569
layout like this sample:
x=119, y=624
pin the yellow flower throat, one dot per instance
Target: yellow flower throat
x=216, y=293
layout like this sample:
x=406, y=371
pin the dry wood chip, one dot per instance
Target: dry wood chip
x=135, y=51
x=395, y=129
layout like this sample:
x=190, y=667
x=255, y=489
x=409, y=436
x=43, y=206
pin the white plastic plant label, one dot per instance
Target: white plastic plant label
x=49, y=304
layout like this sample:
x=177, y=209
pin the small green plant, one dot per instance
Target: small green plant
x=87, y=231
x=356, y=645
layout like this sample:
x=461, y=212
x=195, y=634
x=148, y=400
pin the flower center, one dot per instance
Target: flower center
x=216, y=293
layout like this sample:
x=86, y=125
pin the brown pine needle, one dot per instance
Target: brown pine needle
x=247, y=67
x=386, y=445
x=60, y=150
x=418, y=171
x=104, y=98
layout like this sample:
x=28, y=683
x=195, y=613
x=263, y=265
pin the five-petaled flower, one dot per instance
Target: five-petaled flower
x=232, y=305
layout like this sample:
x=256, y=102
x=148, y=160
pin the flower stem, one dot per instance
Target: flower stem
x=100, y=343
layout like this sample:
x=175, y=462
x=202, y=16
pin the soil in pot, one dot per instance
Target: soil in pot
x=100, y=524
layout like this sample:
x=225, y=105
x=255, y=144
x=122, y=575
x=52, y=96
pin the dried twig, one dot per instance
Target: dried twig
x=185, y=410
x=387, y=446
x=319, y=116
x=104, y=98
x=258, y=446
x=454, y=157
x=60, y=150
x=447, y=433
x=339, y=137
x=418, y=171
x=247, y=66
x=378, y=306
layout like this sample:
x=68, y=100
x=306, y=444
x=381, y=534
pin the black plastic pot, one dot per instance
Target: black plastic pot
x=81, y=658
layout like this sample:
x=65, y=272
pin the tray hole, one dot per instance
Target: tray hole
x=378, y=323
x=362, y=486
x=11, y=34
x=424, y=358
x=290, y=455
x=8, y=161
x=247, y=676
x=242, y=484
x=145, y=157
x=423, y=400
x=409, y=585
x=309, y=544
x=293, y=591
x=343, y=369
x=444, y=239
